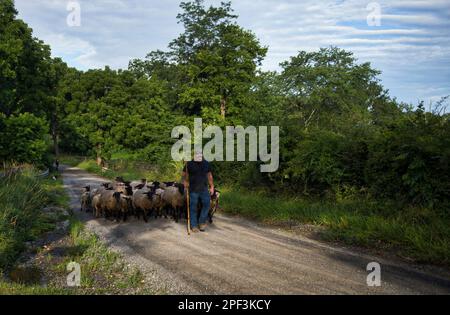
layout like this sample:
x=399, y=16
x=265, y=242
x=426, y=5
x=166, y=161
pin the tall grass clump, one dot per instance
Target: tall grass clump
x=128, y=166
x=22, y=196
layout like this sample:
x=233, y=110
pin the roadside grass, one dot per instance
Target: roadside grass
x=126, y=166
x=414, y=233
x=71, y=160
x=102, y=271
x=125, y=172
x=22, y=196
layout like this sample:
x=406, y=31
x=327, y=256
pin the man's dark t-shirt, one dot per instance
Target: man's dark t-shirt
x=198, y=175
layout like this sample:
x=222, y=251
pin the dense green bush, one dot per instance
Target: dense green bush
x=314, y=163
x=23, y=139
x=410, y=160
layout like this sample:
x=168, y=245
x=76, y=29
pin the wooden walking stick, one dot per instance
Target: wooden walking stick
x=188, y=201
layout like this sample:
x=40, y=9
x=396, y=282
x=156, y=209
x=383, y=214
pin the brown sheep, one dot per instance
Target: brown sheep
x=96, y=205
x=113, y=202
x=110, y=203
x=174, y=198
x=139, y=184
x=143, y=203
x=102, y=188
x=164, y=185
x=126, y=202
x=214, y=205
x=95, y=197
x=158, y=203
x=86, y=199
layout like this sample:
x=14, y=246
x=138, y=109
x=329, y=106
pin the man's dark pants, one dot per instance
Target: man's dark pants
x=195, y=197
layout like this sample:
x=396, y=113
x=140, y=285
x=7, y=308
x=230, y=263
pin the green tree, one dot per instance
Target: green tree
x=27, y=89
x=57, y=100
x=329, y=110
x=25, y=66
x=218, y=60
x=23, y=138
x=325, y=86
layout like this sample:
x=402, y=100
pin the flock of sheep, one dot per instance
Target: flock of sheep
x=121, y=199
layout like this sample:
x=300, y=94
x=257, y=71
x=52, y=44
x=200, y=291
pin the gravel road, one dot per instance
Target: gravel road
x=237, y=256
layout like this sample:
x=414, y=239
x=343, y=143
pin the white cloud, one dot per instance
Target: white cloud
x=426, y=19
x=80, y=50
x=411, y=43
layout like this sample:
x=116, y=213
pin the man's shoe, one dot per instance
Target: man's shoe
x=202, y=227
x=195, y=230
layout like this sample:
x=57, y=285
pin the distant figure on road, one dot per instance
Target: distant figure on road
x=57, y=165
x=197, y=175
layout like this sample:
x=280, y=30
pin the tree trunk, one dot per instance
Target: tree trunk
x=55, y=144
x=223, y=107
x=99, y=155
x=55, y=136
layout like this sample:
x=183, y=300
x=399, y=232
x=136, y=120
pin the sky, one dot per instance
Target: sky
x=407, y=40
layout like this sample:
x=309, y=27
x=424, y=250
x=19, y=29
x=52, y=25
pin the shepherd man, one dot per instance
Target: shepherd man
x=198, y=178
